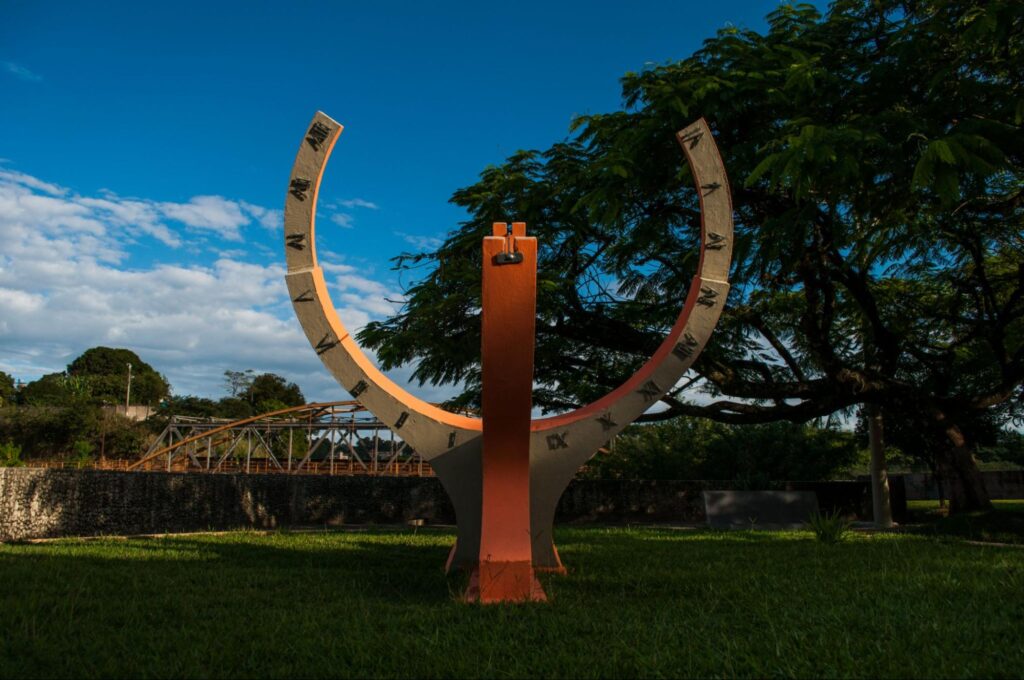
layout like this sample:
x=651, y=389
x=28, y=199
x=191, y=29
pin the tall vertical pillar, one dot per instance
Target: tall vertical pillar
x=509, y=300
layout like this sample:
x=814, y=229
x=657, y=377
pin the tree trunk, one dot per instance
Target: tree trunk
x=880, y=505
x=959, y=471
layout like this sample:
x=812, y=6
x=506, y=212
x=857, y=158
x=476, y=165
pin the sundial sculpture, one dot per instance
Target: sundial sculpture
x=505, y=472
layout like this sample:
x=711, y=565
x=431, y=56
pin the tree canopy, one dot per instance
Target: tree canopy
x=877, y=160
x=106, y=371
x=7, y=389
x=270, y=392
x=753, y=456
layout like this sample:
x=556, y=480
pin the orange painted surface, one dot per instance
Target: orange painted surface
x=509, y=311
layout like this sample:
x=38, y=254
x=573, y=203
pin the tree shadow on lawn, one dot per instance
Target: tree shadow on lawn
x=1004, y=523
x=403, y=567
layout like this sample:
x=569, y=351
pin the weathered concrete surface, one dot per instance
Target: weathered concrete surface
x=44, y=503
x=759, y=509
x=36, y=503
x=1000, y=484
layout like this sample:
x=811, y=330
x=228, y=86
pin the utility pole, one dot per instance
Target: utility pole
x=128, y=392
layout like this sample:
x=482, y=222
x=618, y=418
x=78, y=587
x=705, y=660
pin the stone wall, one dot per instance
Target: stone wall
x=37, y=503
x=1005, y=484
x=41, y=503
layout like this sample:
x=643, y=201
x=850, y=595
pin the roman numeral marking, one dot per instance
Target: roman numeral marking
x=304, y=296
x=325, y=344
x=707, y=296
x=557, y=441
x=714, y=241
x=296, y=241
x=299, y=187
x=685, y=348
x=451, y=439
x=710, y=188
x=693, y=138
x=606, y=422
x=650, y=390
x=401, y=420
x=317, y=135
x=359, y=388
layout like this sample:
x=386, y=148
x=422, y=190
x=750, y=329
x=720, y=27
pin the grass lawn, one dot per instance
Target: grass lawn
x=1004, y=523
x=637, y=602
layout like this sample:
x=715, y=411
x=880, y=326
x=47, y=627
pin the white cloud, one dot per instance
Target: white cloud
x=420, y=242
x=65, y=287
x=27, y=180
x=20, y=72
x=209, y=212
x=101, y=223
x=138, y=214
x=268, y=218
x=359, y=203
x=19, y=300
x=343, y=220
x=335, y=268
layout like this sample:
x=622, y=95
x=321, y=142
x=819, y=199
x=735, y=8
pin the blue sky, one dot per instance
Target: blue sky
x=146, y=148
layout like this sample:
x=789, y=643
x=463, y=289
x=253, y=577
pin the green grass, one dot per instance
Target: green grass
x=1004, y=523
x=637, y=602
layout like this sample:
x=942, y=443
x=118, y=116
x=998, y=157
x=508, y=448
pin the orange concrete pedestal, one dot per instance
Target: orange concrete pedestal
x=504, y=572
x=497, y=582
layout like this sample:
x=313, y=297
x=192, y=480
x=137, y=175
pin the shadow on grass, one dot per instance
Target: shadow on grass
x=1004, y=523
x=388, y=566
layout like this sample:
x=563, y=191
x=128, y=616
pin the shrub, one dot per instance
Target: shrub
x=830, y=528
x=82, y=453
x=10, y=455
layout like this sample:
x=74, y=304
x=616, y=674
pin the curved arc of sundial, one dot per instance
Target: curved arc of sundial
x=427, y=428
x=559, y=445
x=557, y=442
x=592, y=425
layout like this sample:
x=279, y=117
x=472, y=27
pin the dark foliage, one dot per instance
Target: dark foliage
x=877, y=161
x=753, y=456
x=105, y=370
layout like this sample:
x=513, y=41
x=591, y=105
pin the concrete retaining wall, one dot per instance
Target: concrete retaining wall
x=41, y=503
x=38, y=503
x=1005, y=484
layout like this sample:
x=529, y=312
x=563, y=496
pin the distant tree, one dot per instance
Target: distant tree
x=271, y=392
x=235, y=408
x=106, y=370
x=750, y=455
x=250, y=395
x=49, y=430
x=1008, y=448
x=188, y=405
x=238, y=382
x=7, y=389
x=121, y=437
x=56, y=389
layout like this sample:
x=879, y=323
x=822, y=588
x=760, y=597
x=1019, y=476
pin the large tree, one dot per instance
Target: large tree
x=106, y=371
x=876, y=160
x=270, y=392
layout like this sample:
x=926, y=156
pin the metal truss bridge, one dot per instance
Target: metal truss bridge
x=335, y=438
